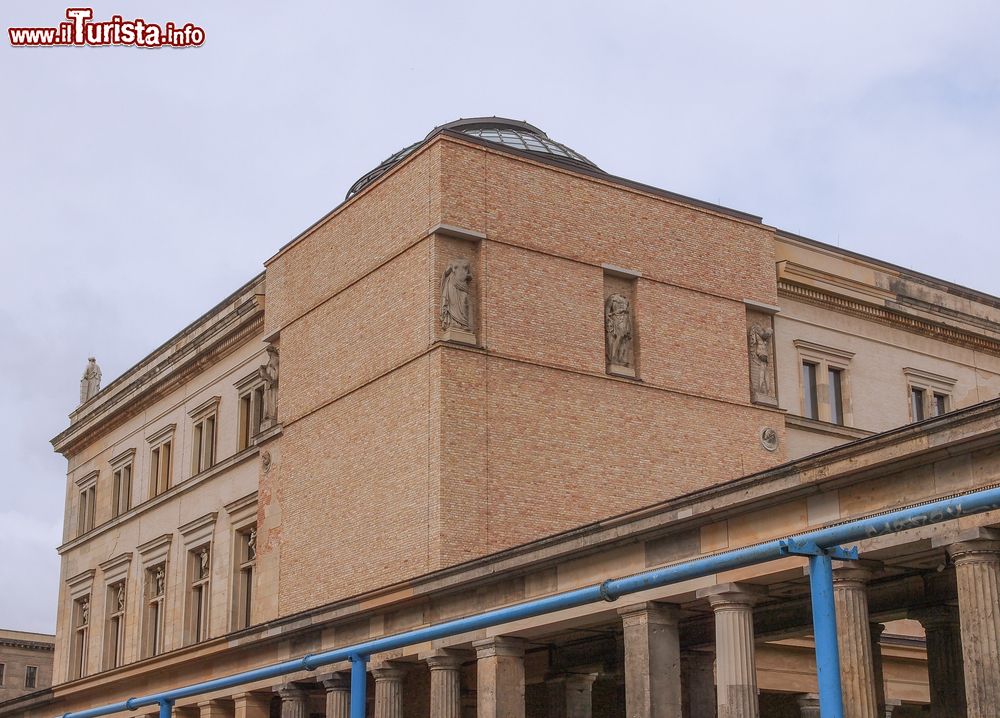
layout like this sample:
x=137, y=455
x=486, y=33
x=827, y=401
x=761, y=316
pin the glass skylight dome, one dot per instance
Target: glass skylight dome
x=510, y=133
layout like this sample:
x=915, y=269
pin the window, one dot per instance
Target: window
x=156, y=589
x=930, y=394
x=825, y=383
x=81, y=635
x=88, y=504
x=200, y=571
x=30, y=676
x=251, y=415
x=121, y=499
x=246, y=559
x=114, y=636
x=160, y=465
x=3, y=670
x=917, y=403
x=203, y=444
x=835, y=385
x=810, y=394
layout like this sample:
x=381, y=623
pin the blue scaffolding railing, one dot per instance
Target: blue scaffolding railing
x=820, y=547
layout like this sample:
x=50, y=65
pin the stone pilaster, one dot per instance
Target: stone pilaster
x=389, y=690
x=338, y=694
x=652, y=661
x=736, y=668
x=977, y=572
x=944, y=660
x=569, y=695
x=500, y=677
x=446, y=683
x=808, y=705
x=857, y=672
x=294, y=701
x=875, y=630
x=698, y=685
x=251, y=705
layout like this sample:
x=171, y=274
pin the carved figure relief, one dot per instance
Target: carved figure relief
x=85, y=611
x=618, y=331
x=203, y=563
x=90, y=383
x=159, y=581
x=265, y=461
x=456, y=304
x=760, y=345
x=252, y=544
x=769, y=439
x=269, y=373
x=121, y=597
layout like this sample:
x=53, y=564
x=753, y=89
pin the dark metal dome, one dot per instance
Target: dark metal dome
x=510, y=133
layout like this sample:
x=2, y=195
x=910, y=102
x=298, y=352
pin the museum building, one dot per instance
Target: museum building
x=496, y=372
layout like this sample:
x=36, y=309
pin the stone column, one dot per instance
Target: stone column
x=569, y=695
x=944, y=660
x=252, y=705
x=216, y=709
x=389, y=690
x=652, y=661
x=294, y=701
x=875, y=630
x=857, y=672
x=697, y=684
x=500, y=677
x=977, y=571
x=446, y=683
x=808, y=705
x=736, y=669
x=338, y=694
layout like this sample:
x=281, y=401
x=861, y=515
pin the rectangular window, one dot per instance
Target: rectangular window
x=114, y=636
x=3, y=670
x=161, y=460
x=940, y=404
x=200, y=571
x=246, y=559
x=81, y=633
x=251, y=415
x=122, y=498
x=88, y=507
x=836, y=388
x=203, y=444
x=917, y=403
x=156, y=588
x=31, y=676
x=810, y=395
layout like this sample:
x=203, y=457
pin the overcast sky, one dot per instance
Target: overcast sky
x=140, y=187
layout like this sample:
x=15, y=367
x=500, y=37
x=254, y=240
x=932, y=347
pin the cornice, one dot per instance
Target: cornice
x=890, y=317
x=204, y=342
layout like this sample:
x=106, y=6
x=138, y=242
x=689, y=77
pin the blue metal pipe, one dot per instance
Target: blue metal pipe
x=831, y=699
x=166, y=708
x=892, y=522
x=359, y=686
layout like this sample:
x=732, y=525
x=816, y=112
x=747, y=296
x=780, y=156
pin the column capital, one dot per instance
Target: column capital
x=291, y=691
x=499, y=646
x=650, y=611
x=974, y=551
x=571, y=680
x=250, y=696
x=336, y=681
x=935, y=617
x=728, y=596
x=390, y=671
x=446, y=659
x=858, y=573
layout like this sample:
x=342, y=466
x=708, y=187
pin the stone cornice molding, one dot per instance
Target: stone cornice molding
x=117, y=567
x=200, y=530
x=242, y=509
x=161, y=435
x=204, y=342
x=156, y=549
x=891, y=317
x=206, y=407
x=122, y=458
x=87, y=480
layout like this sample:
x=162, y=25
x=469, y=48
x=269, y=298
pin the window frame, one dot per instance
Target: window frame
x=153, y=638
x=826, y=360
x=3, y=673
x=204, y=435
x=32, y=671
x=121, y=466
x=115, y=572
x=250, y=409
x=162, y=454
x=933, y=386
x=79, y=588
x=86, y=514
x=243, y=568
x=197, y=536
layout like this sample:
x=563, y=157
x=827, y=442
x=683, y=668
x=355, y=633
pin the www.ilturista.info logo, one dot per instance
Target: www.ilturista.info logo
x=82, y=31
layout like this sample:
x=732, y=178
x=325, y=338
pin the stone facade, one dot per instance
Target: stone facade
x=501, y=377
x=25, y=663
